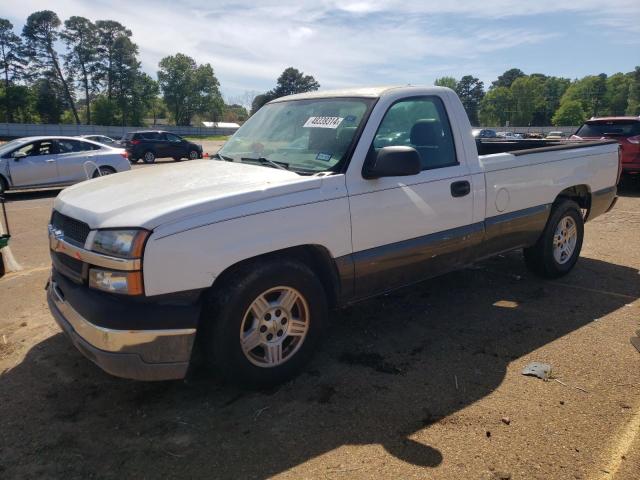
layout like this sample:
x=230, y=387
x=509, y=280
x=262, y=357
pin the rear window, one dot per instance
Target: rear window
x=616, y=128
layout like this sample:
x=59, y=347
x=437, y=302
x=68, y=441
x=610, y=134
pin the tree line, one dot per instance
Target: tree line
x=97, y=78
x=518, y=99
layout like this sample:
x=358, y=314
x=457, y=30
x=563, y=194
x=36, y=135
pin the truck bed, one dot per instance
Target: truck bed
x=487, y=146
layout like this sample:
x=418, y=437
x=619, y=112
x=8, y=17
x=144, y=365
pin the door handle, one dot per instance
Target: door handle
x=460, y=189
x=51, y=160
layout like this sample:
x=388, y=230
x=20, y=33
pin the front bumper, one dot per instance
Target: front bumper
x=137, y=354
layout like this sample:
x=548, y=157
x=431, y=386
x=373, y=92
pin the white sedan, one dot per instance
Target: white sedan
x=38, y=162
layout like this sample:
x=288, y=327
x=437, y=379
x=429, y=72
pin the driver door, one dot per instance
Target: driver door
x=406, y=229
x=37, y=167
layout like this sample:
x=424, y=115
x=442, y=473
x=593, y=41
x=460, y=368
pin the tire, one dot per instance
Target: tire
x=102, y=171
x=557, y=250
x=230, y=313
x=149, y=157
x=177, y=159
x=193, y=155
x=134, y=160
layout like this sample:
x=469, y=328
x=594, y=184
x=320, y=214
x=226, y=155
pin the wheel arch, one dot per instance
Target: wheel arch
x=581, y=194
x=316, y=257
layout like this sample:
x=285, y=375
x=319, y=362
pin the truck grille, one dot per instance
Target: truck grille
x=73, y=229
x=68, y=266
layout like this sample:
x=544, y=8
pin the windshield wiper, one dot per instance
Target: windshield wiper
x=263, y=160
x=222, y=157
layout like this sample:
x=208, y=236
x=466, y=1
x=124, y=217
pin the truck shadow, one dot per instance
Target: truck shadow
x=389, y=368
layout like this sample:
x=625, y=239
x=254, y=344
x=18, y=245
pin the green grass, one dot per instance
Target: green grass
x=218, y=138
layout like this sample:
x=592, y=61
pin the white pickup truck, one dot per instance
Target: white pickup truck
x=319, y=200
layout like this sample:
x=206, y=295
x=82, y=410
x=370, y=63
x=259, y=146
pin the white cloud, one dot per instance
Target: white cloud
x=342, y=42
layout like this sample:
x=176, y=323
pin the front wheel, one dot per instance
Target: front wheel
x=263, y=327
x=103, y=171
x=558, y=248
x=193, y=155
x=149, y=157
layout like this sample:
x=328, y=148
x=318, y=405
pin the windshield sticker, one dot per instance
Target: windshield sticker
x=325, y=157
x=350, y=119
x=323, y=122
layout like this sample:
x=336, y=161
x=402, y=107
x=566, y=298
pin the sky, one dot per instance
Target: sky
x=369, y=42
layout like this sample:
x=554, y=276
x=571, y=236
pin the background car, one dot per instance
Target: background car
x=151, y=144
x=484, y=133
x=34, y=162
x=626, y=130
x=101, y=139
x=556, y=135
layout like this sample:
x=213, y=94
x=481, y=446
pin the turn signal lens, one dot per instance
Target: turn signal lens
x=125, y=283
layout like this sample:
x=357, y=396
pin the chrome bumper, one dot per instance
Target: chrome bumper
x=135, y=354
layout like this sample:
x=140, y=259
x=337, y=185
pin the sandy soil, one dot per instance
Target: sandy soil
x=421, y=383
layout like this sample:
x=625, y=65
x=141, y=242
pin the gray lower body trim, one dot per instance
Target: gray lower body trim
x=602, y=201
x=371, y=272
x=402, y=263
x=139, y=355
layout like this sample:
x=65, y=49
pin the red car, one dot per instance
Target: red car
x=626, y=130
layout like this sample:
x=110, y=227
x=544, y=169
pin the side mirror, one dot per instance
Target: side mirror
x=398, y=161
x=18, y=155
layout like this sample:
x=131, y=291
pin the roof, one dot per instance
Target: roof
x=361, y=92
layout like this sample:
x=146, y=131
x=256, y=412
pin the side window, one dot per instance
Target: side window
x=28, y=149
x=152, y=136
x=71, y=146
x=421, y=123
x=46, y=147
x=173, y=138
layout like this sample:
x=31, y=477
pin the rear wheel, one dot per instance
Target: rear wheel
x=558, y=248
x=149, y=157
x=133, y=160
x=177, y=159
x=264, y=327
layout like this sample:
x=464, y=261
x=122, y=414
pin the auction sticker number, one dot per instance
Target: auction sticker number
x=323, y=122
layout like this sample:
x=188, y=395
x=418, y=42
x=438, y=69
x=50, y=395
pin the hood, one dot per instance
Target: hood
x=150, y=196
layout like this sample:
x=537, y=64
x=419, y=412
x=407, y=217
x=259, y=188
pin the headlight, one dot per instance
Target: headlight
x=120, y=243
x=127, y=283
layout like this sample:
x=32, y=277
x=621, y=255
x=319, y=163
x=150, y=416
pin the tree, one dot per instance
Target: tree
x=49, y=102
x=448, y=82
x=41, y=33
x=570, y=113
x=260, y=100
x=470, y=90
x=108, y=31
x=507, y=78
x=80, y=36
x=590, y=92
x=554, y=88
x=293, y=81
x=125, y=70
x=235, y=113
x=496, y=107
x=188, y=88
x=633, y=105
x=528, y=99
x=12, y=64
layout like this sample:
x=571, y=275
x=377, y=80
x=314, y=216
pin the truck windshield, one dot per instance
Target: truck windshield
x=305, y=136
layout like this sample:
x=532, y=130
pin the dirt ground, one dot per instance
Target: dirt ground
x=421, y=383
